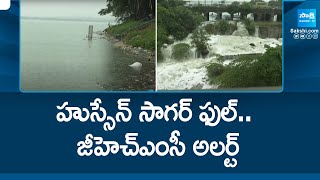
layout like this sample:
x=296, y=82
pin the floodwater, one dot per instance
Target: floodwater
x=56, y=56
x=191, y=74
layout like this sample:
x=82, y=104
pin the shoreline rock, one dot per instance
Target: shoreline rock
x=128, y=49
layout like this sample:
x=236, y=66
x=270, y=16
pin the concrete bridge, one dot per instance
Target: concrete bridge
x=257, y=13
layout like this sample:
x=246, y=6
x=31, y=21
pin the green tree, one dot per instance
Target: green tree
x=250, y=71
x=200, y=40
x=249, y=24
x=181, y=51
x=254, y=2
x=275, y=3
x=129, y=9
x=245, y=8
x=171, y=3
x=233, y=8
x=176, y=19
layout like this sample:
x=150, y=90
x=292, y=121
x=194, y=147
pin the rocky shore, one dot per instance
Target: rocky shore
x=139, y=80
x=130, y=50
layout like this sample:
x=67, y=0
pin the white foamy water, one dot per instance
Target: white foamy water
x=236, y=45
x=192, y=73
x=241, y=31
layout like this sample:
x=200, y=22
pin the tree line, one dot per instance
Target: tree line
x=130, y=9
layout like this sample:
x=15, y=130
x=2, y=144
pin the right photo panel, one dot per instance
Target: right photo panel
x=205, y=45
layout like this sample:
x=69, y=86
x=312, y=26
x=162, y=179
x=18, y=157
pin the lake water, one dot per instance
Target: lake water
x=55, y=56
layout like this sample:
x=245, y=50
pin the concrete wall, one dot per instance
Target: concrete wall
x=270, y=32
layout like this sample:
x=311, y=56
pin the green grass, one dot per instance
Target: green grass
x=181, y=51
x=268, y=24
x=250, y=26
x=143, y=37
x=123, y=27
x=249, y=71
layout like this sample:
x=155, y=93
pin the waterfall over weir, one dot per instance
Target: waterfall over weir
x=257, y=31
x=191, y=73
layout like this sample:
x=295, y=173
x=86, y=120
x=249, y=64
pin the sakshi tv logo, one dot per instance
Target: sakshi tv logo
x=307, y=18
x=5, y=5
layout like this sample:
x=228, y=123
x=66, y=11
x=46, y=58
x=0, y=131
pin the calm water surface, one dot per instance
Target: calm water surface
x=55, y=56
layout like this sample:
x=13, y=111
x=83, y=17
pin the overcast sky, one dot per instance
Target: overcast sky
x=71, y=8
x=215, y=1
x=205, y=0
x=62, y=8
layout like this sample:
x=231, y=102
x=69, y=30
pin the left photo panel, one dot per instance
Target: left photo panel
x=98, y=45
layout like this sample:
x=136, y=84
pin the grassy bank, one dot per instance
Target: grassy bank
x=249, y=71
x=222, y=27
x=175, y=22
x=135, y=33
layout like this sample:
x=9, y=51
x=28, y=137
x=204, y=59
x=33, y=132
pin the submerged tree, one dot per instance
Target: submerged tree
x=130, y=9
x=200, y=40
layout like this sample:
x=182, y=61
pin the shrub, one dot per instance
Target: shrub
x=123, y=27
x=222, y=27
x=215, y=70
x=177, y=20
x=143, y=38
x=181, y=51
x=252, y=71
x=249, y=26
x=200, y=39
x=211, y=29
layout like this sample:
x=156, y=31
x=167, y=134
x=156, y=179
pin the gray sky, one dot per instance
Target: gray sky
x=215, y=1
x=72, y=8
x=62, y=8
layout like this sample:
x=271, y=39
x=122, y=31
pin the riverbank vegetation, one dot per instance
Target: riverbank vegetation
x=250, y=26
x=136, y=22
x=181, y=51
x=200, y=41
x=249, y=71
x=175, y=22
x=222, y=27
x=143, y=37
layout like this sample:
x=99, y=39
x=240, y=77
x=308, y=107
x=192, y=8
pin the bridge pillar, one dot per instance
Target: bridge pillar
x=207, y=15
x=275, y=17
x=260, y=17
x=219, y=16
x=251, y=17
x=279, y=18
x=232, y=16
x=255, y=17
x=272, y=15
x=243, y=15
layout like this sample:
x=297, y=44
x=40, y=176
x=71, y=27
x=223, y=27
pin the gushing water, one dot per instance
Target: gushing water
x=257, y=31
x=241, y=30
x=191, y=73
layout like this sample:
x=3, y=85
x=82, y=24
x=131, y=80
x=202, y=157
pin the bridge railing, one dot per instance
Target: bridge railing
x=206, y=3
x=219, y=3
